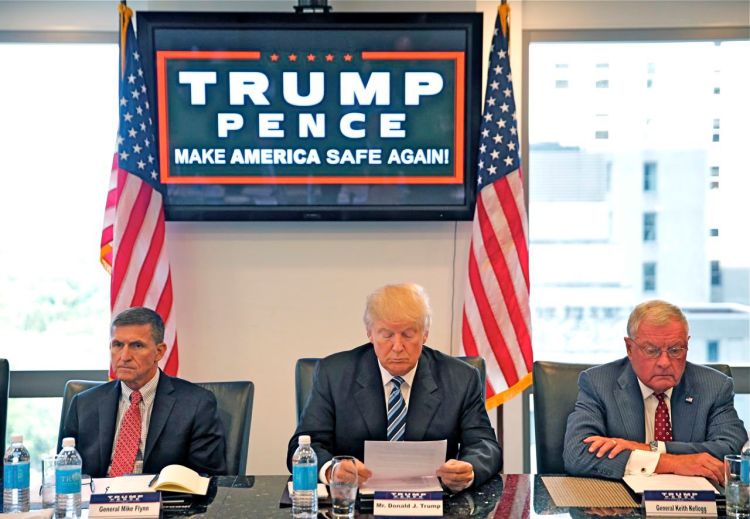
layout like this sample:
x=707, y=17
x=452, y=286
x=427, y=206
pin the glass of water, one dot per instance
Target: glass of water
x=737, y=486
x=343, y=484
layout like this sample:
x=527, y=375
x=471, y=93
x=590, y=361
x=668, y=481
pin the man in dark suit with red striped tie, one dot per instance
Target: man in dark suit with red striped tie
x=652, y=411
x=396, y=388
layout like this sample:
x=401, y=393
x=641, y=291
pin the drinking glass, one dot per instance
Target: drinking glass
x=343, y=484
x=48, y=481
x=737, y=488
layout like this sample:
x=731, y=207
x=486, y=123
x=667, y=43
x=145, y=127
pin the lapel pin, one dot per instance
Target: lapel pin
x=689, y=400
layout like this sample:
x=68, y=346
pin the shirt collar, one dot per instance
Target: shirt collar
x=148, y=390
x=647, y=391
x=408, y=377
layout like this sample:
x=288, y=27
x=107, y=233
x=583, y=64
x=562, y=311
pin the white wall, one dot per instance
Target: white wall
x=252, y=297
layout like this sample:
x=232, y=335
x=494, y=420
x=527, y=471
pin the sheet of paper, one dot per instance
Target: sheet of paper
x=404, y=465
x=123, y=484
x=668, y=482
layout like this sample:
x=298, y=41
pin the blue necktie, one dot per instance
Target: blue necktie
x=396, y=411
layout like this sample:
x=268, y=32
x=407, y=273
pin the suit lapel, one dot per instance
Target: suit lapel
x=683, y=409
x=108, y=407
x=630, y=404
x=163, y=403
x=369, y=395
x=424, y=401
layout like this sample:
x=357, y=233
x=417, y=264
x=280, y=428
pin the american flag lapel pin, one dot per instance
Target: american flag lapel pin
x=689, y=400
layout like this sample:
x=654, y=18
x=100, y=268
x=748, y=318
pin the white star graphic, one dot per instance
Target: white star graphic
x=491, y=101
x=495, y=154
x=488, y=117
x=501, y=54
x=498, y=70
x=136, y=56
x=131, y=79
x=485, y=133
x=123, y=101
x=507, y=92
x=511, y=145
x=508, y=160
x=481, y=164
x=120, y=140
x=483, y=148
x=504, y=107
x=128, y=117
x=150, y=159
x=509, y=77
x=140, y=72
x=141, y=164
x=492, y=170
x=498, y=138
x=494, y=85
x=136, y=94
x=136, y=149
x=513, y=130
x=501, y=123
x=132, y=132
x=153, y=175
x=139, y=110
x=147, y=142
x=124, y=155
x=143, y=127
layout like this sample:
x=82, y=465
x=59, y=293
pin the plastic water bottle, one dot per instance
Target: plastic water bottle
x=305, y=480
x=68, y=481
x=16, y=476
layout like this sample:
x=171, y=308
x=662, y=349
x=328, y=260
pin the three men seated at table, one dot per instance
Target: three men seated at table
x=396, y=388
x=144, y=420
x=652, y=411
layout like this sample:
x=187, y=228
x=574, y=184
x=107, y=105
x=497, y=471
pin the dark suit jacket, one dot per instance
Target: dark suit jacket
x=184, y=429
x=610, y=403
x=347, y=407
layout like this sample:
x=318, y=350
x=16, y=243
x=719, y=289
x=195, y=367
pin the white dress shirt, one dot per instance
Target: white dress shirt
x=644, y=462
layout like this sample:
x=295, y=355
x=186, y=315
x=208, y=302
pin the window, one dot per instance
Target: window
x=649, y=226
x=649, y=276
x=712, y=351
x=715, y=273
x=714, y=232
x=716, y=129
x=561, y=83
x=624, y=265
x=602, y=83
x=649, y=177
x=54, y=304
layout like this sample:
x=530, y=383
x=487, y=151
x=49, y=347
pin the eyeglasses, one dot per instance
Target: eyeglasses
x=676, y=351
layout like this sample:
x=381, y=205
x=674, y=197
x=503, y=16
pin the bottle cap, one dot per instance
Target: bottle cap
x=69, y=442
x=16, y=438
x=304, y=439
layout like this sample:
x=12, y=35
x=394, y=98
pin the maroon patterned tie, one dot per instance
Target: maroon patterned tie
x=662, y=425
x=129, y=439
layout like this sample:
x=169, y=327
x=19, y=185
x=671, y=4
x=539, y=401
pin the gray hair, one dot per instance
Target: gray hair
x=404, y=303
x=141, y=315
x=655, y=311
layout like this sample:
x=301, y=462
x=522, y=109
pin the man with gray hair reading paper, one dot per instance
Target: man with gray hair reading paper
x=396, y=388
x=652, y=411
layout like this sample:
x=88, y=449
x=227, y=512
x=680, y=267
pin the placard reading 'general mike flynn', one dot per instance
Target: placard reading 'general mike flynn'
x=679, y=503
x=295, y=116
x=144, y=505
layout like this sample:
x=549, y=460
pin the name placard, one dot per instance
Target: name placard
x=407, y=504
x=144, y=505
x=679, y=503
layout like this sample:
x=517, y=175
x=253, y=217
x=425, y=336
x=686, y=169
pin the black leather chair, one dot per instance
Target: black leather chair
x=555, y=394
x=235, y=403
x=305, y=369
x=4, y=384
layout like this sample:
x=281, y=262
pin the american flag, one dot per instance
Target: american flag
x=496, y=316
x=133, y=249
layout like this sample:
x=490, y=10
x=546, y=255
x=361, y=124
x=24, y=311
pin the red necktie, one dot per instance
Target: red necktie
x=662, y=425
x=129, y=439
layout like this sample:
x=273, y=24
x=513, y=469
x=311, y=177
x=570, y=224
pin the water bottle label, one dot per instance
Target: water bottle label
x=745, y=470
x=305, y=477
x=68, y=480
x=16, y=475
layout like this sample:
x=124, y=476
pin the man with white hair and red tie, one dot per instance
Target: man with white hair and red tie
x=652, y=411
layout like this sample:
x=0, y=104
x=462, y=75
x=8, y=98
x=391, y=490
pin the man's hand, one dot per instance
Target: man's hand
x=456, y=475
x=363, y=473
x=602, y=445
x=701, y=464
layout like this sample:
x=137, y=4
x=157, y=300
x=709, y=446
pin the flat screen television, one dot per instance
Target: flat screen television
x=339, y=116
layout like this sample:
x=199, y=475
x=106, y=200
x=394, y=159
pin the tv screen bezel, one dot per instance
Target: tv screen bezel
x=148, y=22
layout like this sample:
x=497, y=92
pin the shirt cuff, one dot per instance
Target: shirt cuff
x=322, y=472
x=642, y=462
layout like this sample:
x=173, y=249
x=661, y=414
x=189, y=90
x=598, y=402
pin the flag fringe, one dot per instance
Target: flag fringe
x=510, y=393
